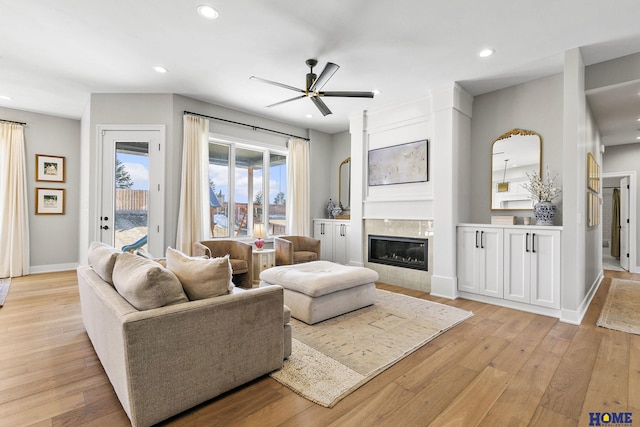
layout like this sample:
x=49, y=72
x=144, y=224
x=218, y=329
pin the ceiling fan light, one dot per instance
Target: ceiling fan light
x=159, y=69
x=5, y=98
x=484, y=53
x=376, y=92
x=208, y=12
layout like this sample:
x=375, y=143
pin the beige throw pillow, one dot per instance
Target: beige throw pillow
x=145, y=284
x=201, y=277
x=102, y=258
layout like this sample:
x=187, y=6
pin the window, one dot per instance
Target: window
x=239, y=194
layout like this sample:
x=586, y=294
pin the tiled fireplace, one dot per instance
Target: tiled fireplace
x=401, y=252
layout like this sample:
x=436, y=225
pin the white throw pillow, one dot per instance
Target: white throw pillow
x=201, y=277
x=102, y=258
x=145, y=284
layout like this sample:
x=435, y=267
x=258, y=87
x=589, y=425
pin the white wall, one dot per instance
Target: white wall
x=534, y=106
x=52, y=238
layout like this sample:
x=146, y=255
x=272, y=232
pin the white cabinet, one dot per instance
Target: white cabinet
x=532, y=266
x=480, y=258
x=517, y=263
x=334, y=239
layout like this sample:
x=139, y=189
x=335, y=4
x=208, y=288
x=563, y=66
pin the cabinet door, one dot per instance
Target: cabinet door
x=491, y=262
x=545, y=268
x=323, y=231
x=517, y=264
x=468, y=249
x=341, y=243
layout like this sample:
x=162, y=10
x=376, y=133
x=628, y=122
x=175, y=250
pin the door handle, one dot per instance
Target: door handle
x=533, y=243
x=527, y=243
x=482, y=239
x=477, y=239
x=106, y=227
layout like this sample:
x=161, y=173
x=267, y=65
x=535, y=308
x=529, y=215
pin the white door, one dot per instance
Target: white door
x=624, y=223
x=545, y=268
x=468, y=248
x=323, y=231
x=491, y=262
x=341, y=243
x=517, y=264
x=131, y=212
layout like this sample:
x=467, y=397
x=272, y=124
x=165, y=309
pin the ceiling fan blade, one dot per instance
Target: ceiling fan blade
x=325, y=75
x=348, y=94
x=287, y=100
x=321, y=106
x=276, y=84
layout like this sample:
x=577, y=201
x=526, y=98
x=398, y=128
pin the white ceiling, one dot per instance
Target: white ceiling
x=53, y=54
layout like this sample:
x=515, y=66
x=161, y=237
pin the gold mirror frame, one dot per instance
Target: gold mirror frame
x=513, y=155
x=344, y=201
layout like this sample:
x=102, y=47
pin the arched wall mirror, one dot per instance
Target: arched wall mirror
x=344, y=183
x=513, y=155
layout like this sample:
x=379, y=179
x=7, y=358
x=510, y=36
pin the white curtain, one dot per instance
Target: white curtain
x=14, y=214
x=298, y=189
x=193, y=216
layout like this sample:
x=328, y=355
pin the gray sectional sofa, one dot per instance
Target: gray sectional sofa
x=162, y=361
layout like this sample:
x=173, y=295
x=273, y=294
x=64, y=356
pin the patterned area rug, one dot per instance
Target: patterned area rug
x=331, y=359
x=621, y=309
x=4, y=289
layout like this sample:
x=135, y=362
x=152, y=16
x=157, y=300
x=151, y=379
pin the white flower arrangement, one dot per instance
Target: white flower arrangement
x=539, y=191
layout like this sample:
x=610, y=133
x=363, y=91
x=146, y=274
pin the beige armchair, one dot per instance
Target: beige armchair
x=240, y=255
x=296, y=249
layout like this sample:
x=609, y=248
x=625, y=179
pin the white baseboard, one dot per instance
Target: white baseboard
x=575, y=316
x=52, y=268
x=530, y=308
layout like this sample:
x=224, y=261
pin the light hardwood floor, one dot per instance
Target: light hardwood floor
x=502, y=367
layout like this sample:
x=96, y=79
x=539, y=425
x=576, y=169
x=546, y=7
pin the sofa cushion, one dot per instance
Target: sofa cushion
x=201, y=277
x=102, y=258
x=145, y=284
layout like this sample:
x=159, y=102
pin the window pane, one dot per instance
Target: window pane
x=219, y=189
x=277, y=194
x=249, y=192
x=131, y=194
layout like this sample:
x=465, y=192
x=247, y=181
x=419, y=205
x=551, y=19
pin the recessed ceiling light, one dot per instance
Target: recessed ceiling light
x=207, y=12
x=5, y=97
x=309, y=116
x=159, y=69
x=376, y=92
x=637, y=137
x=486, y=52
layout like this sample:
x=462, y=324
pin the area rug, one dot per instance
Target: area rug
x=331, y=359
x=621, y=309
x=4, y=289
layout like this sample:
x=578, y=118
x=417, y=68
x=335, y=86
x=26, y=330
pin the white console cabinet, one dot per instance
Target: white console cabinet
x=334, y=239
x=510, y=263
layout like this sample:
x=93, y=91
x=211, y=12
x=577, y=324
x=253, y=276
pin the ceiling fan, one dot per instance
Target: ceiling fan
x=314, y=85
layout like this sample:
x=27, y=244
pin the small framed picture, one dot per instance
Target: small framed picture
x=50, y=201
x=49, y=168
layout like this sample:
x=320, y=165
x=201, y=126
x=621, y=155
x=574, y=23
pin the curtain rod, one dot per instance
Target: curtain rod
x=12, y=121
x=244, y=124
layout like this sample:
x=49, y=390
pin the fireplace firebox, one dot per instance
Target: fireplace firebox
x=407, y=252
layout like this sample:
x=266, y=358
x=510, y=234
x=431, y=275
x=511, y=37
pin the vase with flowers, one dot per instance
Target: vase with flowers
x=542, y=192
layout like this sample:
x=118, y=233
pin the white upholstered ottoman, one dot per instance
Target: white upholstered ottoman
x=318, y=290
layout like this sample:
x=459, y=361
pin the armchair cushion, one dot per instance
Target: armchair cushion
x=145, y=284
x=201, y=278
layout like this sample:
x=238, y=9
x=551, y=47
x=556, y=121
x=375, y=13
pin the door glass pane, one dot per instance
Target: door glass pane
x=131, y=195
x=277, y=194
x=219, y=189
x=249, y=194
